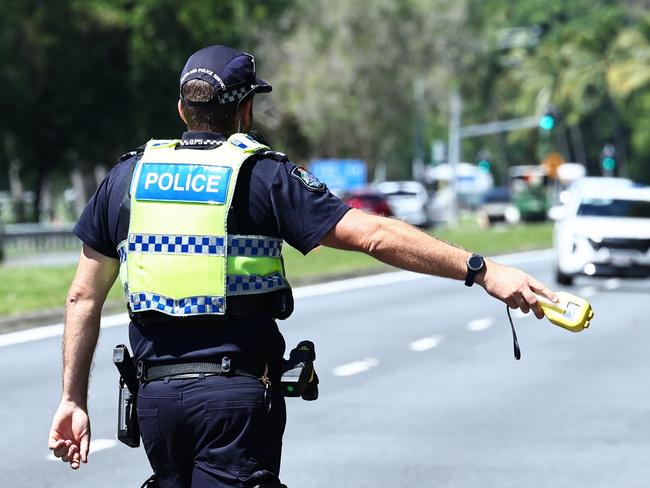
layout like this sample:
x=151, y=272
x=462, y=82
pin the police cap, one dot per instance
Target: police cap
x=230, y=72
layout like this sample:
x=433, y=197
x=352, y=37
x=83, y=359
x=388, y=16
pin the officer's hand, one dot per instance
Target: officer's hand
x=70, y=434
x=514, y=287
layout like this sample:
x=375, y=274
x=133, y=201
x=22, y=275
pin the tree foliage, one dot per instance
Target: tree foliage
x=84, y=80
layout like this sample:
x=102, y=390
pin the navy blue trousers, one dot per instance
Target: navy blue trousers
x=211, y=432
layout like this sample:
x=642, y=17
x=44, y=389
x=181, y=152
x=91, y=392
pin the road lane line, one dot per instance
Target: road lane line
x=48, y=331
x=355, y=367
x=588, y=291
x=518, y=314
x=426, y=343
x=612, y=284
x=96, y=445
x=480, y=324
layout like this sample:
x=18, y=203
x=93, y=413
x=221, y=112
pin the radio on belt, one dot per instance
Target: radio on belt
x=569, y=312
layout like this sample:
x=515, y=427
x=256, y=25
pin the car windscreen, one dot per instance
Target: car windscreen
x=601, y=207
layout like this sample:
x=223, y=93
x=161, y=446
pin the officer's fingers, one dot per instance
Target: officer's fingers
x=60, y=451
x=63, y=448
x=54, y=444
x=521, y=303
x=83, y=448
x=511, y=302
x=67, y=457
x=533, y=304
x=540, y=289
x=54, y=440
x=75, y=461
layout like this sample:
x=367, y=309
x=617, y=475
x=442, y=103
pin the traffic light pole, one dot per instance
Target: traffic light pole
x=457, y=133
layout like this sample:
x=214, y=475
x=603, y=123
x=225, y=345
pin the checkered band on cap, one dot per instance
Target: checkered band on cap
x=201, y=305
x=261, y=246
x=252, y=284
x=233, y=95
x=176, y=244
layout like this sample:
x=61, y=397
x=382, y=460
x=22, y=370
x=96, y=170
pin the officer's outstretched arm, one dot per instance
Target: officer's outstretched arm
x=404, y=246
x=70, y=433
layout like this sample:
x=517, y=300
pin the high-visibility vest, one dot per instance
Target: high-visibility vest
x=178, y=257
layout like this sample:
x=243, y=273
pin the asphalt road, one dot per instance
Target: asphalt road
x=419, y=388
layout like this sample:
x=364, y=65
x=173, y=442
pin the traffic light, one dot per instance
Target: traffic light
x=484, y=165
x=547, y=121
x=608, y=159
x=609, y=164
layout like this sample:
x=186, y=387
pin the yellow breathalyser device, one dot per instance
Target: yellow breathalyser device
x=569, y=312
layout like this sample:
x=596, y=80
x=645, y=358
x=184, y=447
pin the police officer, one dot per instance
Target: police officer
x=194, y=228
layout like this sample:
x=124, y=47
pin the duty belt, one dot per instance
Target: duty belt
x=253, y=367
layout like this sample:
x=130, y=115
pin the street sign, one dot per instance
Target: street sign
x=552, y=162
x=340, y=174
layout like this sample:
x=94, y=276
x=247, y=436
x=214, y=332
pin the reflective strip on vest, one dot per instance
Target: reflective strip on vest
x=145, y=301
x=238, y=245
x=178, y=258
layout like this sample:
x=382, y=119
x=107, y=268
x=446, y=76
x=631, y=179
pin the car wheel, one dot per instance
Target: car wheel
x=563, y=278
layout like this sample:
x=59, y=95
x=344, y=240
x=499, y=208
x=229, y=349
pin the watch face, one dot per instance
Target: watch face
x=475, y=262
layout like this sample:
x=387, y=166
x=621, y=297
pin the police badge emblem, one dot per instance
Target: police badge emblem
x=307, y=179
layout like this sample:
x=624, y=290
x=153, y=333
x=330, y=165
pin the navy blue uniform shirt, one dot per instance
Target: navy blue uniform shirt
x=271, y=198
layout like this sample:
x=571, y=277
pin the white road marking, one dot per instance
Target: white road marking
x=96, y=445
x=356, y=283
x=355, y=367
x=47, y=331
x=588, y=291
x=54, y=330
x=518, y=314
x=612, y=284
x=480, y=324
x=426, y=343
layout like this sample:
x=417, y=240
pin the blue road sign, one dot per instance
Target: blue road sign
x=340, y=174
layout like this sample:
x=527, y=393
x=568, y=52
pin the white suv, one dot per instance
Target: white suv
x=603, y=232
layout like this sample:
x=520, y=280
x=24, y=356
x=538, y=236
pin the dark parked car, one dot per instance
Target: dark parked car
x=497, y=206
x=370, y=201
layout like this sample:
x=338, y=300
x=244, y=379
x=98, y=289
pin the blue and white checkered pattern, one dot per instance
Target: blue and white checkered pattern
x=121, y=251
x=261, y=246
x=204, y=305
x=252, y=284
x=176, y=244
x=233, y=95
x=238, y=245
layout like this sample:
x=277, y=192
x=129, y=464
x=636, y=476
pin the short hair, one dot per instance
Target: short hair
x=212, y=117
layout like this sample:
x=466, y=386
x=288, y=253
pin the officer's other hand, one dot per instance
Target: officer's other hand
x=70, y=434
x=514, y=287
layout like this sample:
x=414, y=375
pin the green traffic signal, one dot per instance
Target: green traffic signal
x=547, y=122
x=484, y=165
x=609, y=163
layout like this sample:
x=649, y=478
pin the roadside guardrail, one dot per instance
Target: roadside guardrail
x=39, y=237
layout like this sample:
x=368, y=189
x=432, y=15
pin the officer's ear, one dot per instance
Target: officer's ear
x=180, y=112
x=245, y=114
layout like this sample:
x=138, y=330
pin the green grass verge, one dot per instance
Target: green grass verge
x=29, y=289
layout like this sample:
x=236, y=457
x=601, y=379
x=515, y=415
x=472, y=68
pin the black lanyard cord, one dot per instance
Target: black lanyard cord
x=515, y=342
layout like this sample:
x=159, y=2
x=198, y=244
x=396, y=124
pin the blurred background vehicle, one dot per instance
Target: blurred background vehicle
x=497, y=207
x=603, y=231
x=471, y=185
x=592, y=184
x=407, y=200
x=529, y=187
x=369, y=200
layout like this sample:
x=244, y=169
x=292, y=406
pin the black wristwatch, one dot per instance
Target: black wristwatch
x=475, y=264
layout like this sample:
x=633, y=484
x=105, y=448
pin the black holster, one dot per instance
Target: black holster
x=128, y=429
